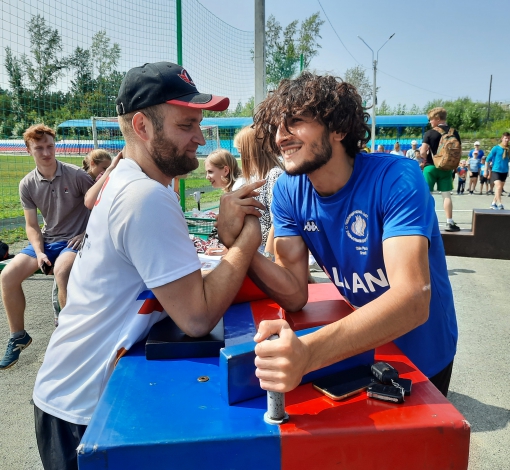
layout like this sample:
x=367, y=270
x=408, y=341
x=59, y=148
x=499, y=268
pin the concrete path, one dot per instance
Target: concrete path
x=479, y=387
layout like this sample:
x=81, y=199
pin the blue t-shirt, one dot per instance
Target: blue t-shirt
x=474, y=164
x=386, y=196
x=500, y=164
x=481, y=153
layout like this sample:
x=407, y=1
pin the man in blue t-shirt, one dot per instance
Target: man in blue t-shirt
x=369, y=221
x=477, y=148
x=497, y=160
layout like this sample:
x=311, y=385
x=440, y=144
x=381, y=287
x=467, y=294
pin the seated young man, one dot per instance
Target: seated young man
x=57, y=190
x=370, y=223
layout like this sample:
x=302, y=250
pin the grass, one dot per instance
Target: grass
x=14, y=167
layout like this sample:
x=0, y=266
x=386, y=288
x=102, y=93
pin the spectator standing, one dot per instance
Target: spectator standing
x=221, y=170
x=499, y=157
x=461, y=177
x=411, y=153
x=474, y=169
x=477, y=148
x=483, y=176
x=396, y=149
x=434, y=176
x=259, y=162
x=137, y=241
x=57, y=190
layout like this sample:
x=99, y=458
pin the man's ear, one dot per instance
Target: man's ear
x=142, y=126
x=338, y=136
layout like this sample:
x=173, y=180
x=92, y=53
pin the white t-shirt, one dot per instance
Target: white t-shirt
x=136, y=240
x=397, y=152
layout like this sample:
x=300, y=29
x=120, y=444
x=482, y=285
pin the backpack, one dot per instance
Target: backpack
x=448, y=152
x=4, y=251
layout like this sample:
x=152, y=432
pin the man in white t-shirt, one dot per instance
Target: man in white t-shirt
x=136, y=258
x=396, y=150
x=411, y=153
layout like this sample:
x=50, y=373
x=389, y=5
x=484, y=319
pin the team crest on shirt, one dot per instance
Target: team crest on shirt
x=356, y=226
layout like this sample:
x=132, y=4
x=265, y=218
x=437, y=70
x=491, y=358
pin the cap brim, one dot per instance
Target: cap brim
x=202, y=101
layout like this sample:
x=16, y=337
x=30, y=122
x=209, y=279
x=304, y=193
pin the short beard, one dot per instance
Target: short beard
x=322, y=153
x=167, y=158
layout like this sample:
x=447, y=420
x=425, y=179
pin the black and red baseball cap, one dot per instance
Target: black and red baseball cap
x=163, y=82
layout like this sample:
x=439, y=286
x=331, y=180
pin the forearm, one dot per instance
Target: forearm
x=384, y=319
x=35, y=237
x=91, y=195
x=279, y=283
x=222, y=284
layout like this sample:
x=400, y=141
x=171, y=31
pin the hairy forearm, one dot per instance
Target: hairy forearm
x=222, y=285
x=279, y=283
x=384, y=319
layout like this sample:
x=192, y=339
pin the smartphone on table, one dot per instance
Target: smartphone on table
x=346, y=383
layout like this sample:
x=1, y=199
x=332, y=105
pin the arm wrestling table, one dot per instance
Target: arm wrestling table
x=156, y=414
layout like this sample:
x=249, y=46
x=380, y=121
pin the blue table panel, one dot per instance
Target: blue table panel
x=155, y=414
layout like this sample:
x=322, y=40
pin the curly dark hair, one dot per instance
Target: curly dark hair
x=328, y=99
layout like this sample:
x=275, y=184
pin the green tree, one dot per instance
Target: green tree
x=84, y=82
x=31, y=77
x=45, y=66
x=308, y=34
x=284, y=47
x=15, y=73
x=105, y=58
x=384, y=109
x=357, y=76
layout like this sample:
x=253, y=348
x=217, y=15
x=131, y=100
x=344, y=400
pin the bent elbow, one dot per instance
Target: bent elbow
x=294, y=306
x=197, y=328
x=89, y=204
x=422, y=306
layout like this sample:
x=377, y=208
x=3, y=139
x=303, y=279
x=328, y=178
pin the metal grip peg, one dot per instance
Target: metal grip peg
x=275, y=413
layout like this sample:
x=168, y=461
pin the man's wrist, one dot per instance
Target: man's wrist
x=269, y=256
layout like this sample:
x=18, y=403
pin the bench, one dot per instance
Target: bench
x=488, y=237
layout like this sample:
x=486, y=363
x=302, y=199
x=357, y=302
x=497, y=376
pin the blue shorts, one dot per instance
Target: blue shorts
x=51, y=250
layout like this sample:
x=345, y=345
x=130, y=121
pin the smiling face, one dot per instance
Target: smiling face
x=43, y=152
x=216, y=176
x=174, y=145
x=305, y=146
x=504, y=140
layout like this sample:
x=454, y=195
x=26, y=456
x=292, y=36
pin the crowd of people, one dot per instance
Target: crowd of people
x=304, y=187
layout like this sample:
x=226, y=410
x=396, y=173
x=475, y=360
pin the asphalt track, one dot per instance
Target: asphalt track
x=479, y=387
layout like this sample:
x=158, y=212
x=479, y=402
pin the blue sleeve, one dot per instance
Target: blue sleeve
x=470, y=153
x=491, y=155
x=283, y=220
x=408, y=206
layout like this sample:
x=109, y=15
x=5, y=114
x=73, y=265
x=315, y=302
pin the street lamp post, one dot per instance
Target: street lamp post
x=374, y=63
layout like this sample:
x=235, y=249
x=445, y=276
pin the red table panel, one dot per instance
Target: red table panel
x=359, y=433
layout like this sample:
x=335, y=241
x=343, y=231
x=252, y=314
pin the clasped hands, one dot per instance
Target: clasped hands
x=234, y=207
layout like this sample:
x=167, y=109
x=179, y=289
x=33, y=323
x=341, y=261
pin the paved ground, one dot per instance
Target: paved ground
x=479, y=387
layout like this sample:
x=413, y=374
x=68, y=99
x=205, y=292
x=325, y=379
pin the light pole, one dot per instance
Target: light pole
x=374, y=62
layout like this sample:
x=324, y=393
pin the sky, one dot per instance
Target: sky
x=441, y=49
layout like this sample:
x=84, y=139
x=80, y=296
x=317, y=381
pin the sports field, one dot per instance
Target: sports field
x=14, y=167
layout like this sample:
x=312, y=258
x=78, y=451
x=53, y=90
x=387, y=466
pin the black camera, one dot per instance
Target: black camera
x=384, y=373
